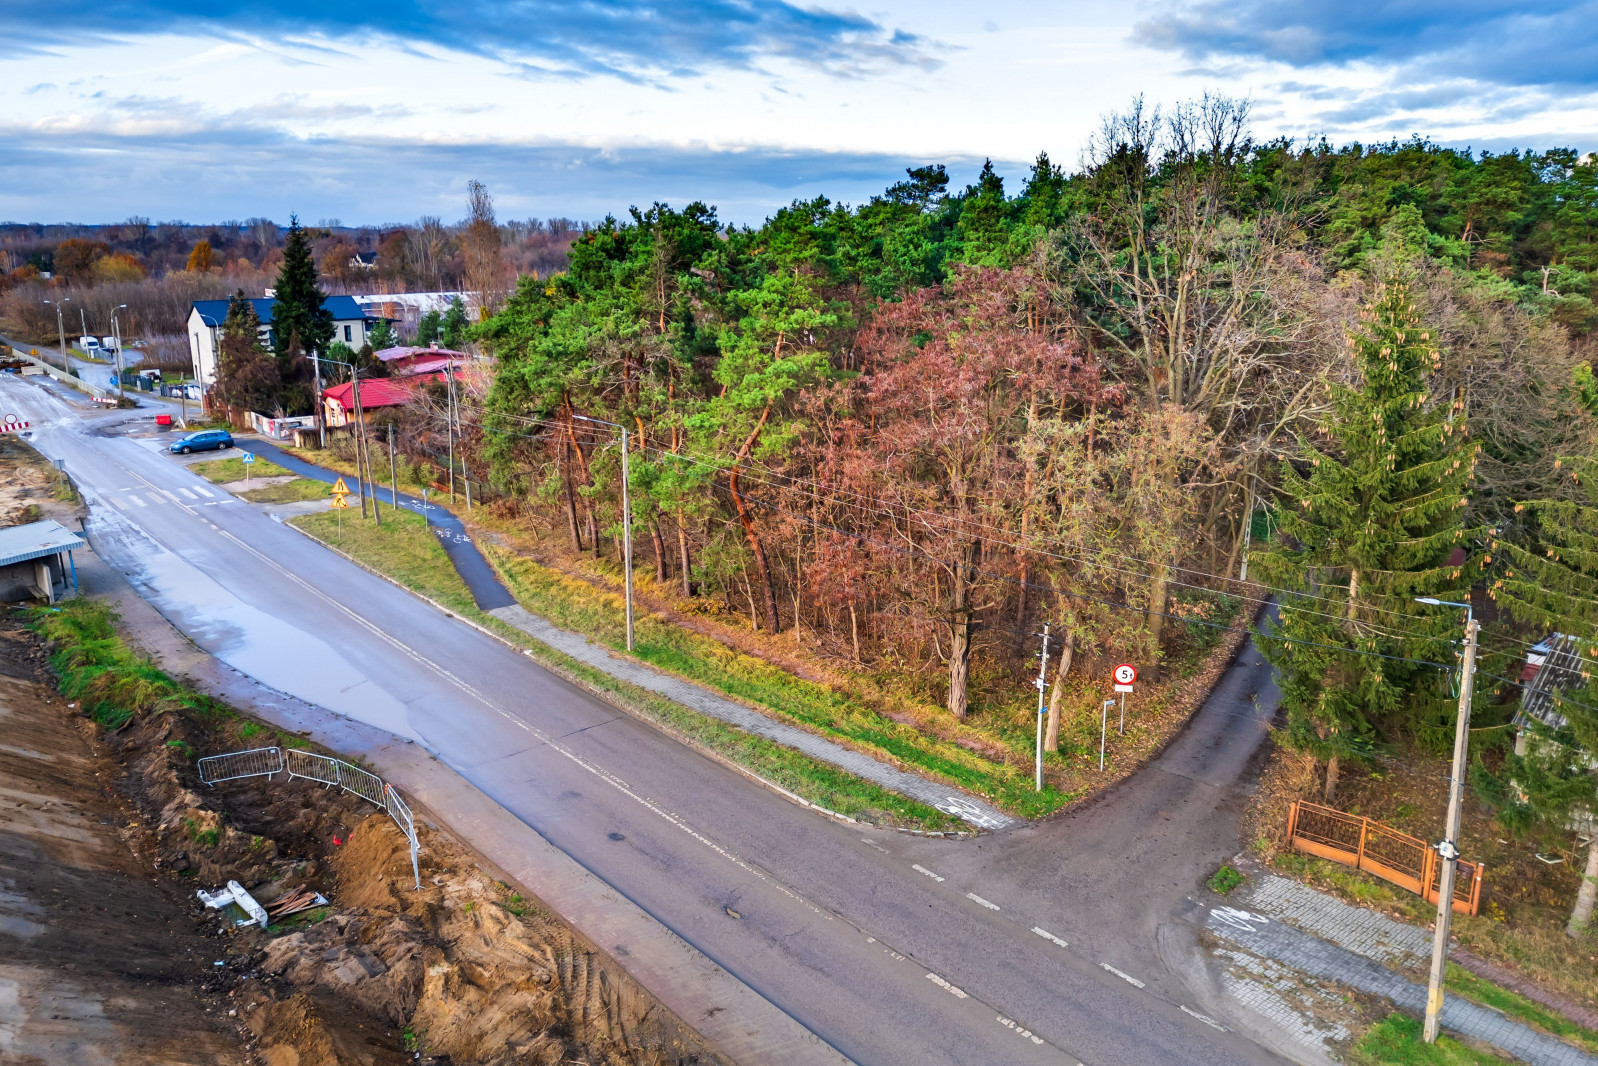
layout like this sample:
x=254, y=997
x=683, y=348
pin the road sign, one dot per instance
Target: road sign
x=13, y=424
x=340, y=504
x=248, y=457
x=340, y=489
x=1125, y=676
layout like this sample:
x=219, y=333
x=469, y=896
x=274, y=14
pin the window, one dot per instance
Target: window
x=346, y=334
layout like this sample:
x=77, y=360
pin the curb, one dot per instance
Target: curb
x=622, y=704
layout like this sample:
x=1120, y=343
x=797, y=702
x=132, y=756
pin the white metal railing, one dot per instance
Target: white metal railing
x=296, y=762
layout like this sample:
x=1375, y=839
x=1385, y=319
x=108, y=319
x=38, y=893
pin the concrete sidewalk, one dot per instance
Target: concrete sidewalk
x=1280, y=931
x=731, y=1016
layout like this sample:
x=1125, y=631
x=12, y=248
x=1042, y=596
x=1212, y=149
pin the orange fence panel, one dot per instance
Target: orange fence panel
x=1404, y=860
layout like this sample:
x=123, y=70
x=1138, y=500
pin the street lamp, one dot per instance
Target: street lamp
x=1448, y=847
x=116, y=332
x=626, y=522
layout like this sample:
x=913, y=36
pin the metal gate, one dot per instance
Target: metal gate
x=1406, y=861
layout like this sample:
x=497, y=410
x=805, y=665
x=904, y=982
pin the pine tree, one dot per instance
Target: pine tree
x=1551, y=582
x=300, y=306
x=1370, y=516
x=452, y=330
x=246, y=373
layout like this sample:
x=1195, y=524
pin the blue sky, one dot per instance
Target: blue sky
x=374, y=113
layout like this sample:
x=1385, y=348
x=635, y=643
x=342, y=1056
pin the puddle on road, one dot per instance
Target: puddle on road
x=265, y=647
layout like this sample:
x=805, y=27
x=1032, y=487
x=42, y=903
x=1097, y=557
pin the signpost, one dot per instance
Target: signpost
x=1043, y=666
x=249, y=459
x=340, y=490
x=1125, y=678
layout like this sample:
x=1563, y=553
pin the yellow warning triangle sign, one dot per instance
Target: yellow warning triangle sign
x=340, y=503
x=340, y=489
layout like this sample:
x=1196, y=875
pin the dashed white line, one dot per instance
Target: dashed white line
x=1046, y=935
x=973, y=897
x=1128, y=978
x=1206, y=1019
x=946, y=986
x=922, y=869
x=1020, y=1031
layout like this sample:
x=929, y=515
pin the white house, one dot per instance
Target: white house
x=350, y=325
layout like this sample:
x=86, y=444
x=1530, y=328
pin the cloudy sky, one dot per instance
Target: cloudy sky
x=379, y=112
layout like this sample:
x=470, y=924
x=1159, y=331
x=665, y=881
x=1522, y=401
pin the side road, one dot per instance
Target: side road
x=737, y=1020
x=492, y=596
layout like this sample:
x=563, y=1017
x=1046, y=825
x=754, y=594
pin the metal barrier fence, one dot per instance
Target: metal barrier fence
x=1406, y=861
x=266, y=762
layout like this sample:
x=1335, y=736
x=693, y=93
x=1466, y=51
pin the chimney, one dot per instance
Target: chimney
x=269, y=294
x=433, y=347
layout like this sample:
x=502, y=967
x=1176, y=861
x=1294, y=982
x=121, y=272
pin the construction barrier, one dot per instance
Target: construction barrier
x=1399, y=858
x=296, y=762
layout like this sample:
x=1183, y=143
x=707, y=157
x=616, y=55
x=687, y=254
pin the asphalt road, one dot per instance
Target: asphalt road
x=892, y=949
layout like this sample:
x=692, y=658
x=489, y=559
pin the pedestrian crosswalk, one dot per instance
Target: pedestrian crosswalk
x=132, y=500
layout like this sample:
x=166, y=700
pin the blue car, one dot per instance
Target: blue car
x=204, y=440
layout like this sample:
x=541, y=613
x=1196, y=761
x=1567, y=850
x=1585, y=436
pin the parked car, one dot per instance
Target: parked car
x=204, y=440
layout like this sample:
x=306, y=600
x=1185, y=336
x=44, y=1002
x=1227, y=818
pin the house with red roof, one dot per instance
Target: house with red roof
x=377, y=394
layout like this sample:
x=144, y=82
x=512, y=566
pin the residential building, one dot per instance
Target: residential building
x=407, y=359
x=338, y=402
x=350, y=325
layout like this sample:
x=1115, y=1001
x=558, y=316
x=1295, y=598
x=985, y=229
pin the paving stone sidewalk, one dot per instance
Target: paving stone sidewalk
x=1339, y=942
x=944, y=798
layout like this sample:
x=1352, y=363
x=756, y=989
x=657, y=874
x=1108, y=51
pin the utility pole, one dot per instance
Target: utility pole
x=627, y=535
x=1104, y=728
x=449, y=427
x=1448, y=847
x=1043, y=666
x=393, y=471
x=122, y=389
x=83, y=321
x=321, y=408
x=355, y=387
x=61, y=330
x=1248, y=533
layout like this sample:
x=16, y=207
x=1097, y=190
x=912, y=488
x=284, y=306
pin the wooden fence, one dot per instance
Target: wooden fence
x=1406, y=861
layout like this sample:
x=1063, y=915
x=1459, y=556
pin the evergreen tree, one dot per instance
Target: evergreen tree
x=427, y=329
x=246, y=373
x=1370, y=517
x=381, y=336
x=452, y=330
x=1551, y=582
x=300, y=308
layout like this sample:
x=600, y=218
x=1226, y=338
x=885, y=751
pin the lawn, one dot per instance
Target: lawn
x=405, y=550
x=300, y=489
x=1396, y=1041
x=224, y=471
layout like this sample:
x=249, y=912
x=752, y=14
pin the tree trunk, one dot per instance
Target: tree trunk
x=768, y=591
x=854, y=634
x=1156, y=617
x=582, y=466
x=571, y=500
x=660, y=551
x=1333, y=765
x=960, y=638
x=1587, y=895
x=1051, y=733
x=685, y=563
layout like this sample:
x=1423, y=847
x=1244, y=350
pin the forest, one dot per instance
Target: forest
x=921, y=428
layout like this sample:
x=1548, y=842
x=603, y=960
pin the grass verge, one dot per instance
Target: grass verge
x=225, y=471
x=1396, y=1041
x=578, y=606
x=405, y=550
x=1462, y=982
x=296, y=491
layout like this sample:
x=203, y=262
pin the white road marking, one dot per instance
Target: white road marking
x=119, y=504
x=1046, y=935
x=136, y=498
x=941, y=983
x=188, y=494
x=1128, y=978
x=922, y=869
x=1238, y=918
x=972, y=896
x=1206, y=1019
x=203, y=492
x=1010, y=1024
x=169, y=496
x=155, y=497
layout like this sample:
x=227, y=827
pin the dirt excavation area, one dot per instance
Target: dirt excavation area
x=107, y=955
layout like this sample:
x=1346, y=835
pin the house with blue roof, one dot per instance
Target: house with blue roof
x=350, y=324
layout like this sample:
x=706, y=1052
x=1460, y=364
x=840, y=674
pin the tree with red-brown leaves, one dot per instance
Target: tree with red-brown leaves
x=928, y=458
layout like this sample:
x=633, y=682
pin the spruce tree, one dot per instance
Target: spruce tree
x=300, y=306
x=452, y=330
x=1550, y=582
x=246, y=374
x=1371, y=513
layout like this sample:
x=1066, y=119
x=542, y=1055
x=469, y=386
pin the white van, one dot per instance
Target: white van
x=89, y=344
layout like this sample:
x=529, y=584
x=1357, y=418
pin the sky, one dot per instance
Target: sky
x=381, y=113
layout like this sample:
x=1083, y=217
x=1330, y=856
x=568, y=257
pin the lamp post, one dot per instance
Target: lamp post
x=116, y=333
x=1448, y=847
x=626, y=522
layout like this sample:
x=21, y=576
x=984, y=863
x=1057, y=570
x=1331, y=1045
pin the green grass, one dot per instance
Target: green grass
x=223, y=471
x=575, y=605
x=1462, y=982
x=95, y=667
x=406, y=551
x=1396, y=1041
x=301, y=488
x=1224, y=880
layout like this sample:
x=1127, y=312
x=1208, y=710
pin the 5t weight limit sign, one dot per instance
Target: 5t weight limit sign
x=1125, y=677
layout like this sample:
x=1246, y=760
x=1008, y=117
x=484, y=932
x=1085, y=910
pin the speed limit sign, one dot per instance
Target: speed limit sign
x=1125, y=676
